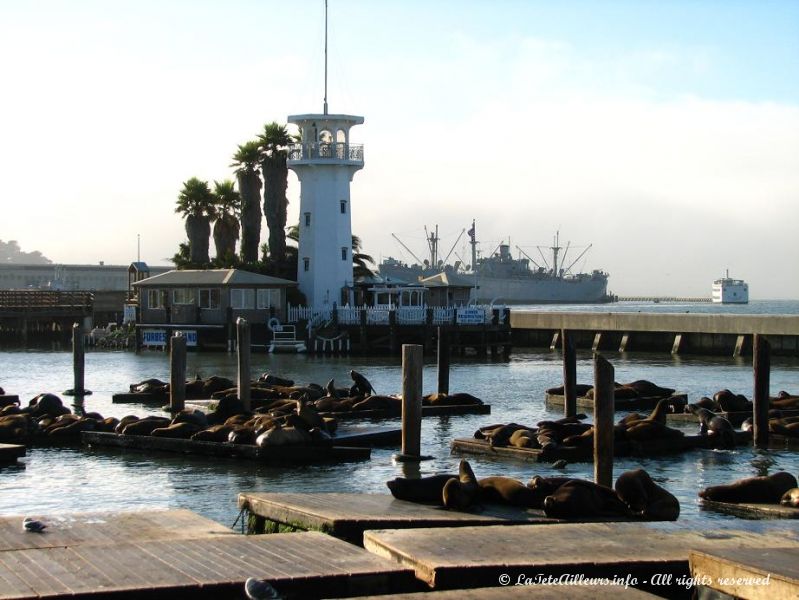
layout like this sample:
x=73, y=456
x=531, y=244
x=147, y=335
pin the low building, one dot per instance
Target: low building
x=208, y=302
x=447, y=289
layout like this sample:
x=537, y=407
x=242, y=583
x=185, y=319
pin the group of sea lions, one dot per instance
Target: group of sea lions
x=777, y=488
x=550, y=435
x=726, y=401
x=635, y=496
x=640, y=388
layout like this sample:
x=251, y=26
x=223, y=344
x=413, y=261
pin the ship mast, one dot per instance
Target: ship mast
x=555, y=249
x=473, y=243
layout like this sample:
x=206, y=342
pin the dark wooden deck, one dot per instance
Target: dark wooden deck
x=276, y=455
x=585, y=454
x=347, y=516
x=535, y=592
x=305, y=565
x=644, y=403
x=9, y=453
x=8, y=399
x=752, y=511
x=724, y=566
x=464, y=557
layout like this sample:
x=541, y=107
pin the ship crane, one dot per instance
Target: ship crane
x=530, y=258
x=453, y=245
x=574, y=262
x=420, y=261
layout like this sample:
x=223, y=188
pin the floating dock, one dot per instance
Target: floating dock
x=768, y=574
x=643, y=403
x=736, y=418
x=276, y=455
x=752, y=511
x=534, y=592
x=9, y=453
x=467, y=557
x=585, y=454
x=347, y=516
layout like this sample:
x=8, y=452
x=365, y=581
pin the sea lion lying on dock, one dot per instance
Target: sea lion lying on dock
x=645, y=498
x=545, y=486
x=784, y=400
x=456, y=399
x=790, y=498
x=716, y=427
x=581, y=389
x=768, y=490
x=506, y=490
x=461, y=492
x=426, y=489
x=580, y=499
x=729, y=402
x=647, y=389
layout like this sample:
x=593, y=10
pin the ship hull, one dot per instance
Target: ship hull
x=541, y=291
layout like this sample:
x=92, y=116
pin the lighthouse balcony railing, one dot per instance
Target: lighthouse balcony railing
x=332, y=151
x=349, y=315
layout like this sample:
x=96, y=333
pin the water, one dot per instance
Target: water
x=56, y=480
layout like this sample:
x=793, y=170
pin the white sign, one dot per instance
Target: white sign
x=471, y=316
x=157, y=337
x=129, y=313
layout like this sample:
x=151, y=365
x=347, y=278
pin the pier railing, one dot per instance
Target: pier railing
x=402, y=315
x=326, y=151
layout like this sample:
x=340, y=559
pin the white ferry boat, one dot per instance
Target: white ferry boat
x=730, y=291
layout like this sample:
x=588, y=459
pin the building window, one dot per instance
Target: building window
x=242, y=298
x=183, y=296
x=343, y=253
x=343, y=205
x=156, y=298
x=209, y=299
x=306, y=263
x=268, y=299
x=307, y=219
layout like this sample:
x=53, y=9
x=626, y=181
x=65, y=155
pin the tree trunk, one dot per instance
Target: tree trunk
x=250, y=190
x=275, y=204
x=198, y=230
x=226, y=232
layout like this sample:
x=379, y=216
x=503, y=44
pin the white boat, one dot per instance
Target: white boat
x=730, y=291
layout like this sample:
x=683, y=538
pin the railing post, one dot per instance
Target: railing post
x=177, y=372
x=603, y=421
x=761, y=363
x=244, y=349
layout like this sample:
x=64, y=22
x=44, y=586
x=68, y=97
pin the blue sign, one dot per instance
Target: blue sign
x=157, y=337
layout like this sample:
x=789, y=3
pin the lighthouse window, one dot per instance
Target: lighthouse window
x=344, y=253
x=306, y=262
x=307, y=219
x=343, y=207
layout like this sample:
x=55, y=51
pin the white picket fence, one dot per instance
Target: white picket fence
x=404, y=315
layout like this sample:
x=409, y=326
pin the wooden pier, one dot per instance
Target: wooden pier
x=585, y=454
x=42, y=313
x=768, y=574
x=643, y=403
x=534, y=592
x=347, y=516
x=9, y=453
x=752, y=511
x=450, y=558
x=275, y=455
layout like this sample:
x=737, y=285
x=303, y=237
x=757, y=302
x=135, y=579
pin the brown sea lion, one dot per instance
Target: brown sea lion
x=124, y=422
x=306, y=411
x=729, y=402
x=523, y=438
x=196, y=417
x=647, y=389
x=545, y=486
x=331, y=390
x=378, y=403
x=426, y=489
x=501, y=435
x=270, y=379
x=361, y=384
x=149, y=386
x=145, y=426
x=790, y=498
x=182, y=430
x=717, y=428
x=506, y=490
x=461, y=492
x=580, y=389
x=283, y=436
x=241, y=435
x=703, y=402
x=71, y=428
x=215, y=433
x=580, y=499
x=457, y=399
x=768, y=489
x=645, y=498
x=16, y=428
x=784, y=427
x=648, y=430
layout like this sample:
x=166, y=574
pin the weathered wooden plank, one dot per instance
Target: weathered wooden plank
x=644, y=403
x=309, y=564
x=584, y=454
x=476, y=556
x=140, y=398
x=277, y=455
x=9, y=453
x=8, y=399
x=764, y=574
x=753, y=511
x=535, y=592
x=346, y=516
x=107, y=528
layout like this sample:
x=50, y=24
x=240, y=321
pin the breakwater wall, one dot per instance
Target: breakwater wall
x=711, y=334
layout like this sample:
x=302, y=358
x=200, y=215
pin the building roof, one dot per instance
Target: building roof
x=213, y=277
x=445, y=279
x=139, y=266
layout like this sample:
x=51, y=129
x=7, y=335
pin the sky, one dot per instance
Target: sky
x=665, y=134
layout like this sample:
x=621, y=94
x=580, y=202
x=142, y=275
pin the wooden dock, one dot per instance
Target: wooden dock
x=534, y=592
x=752, y=511
x=621, y=404
x=768, y=574
x=276, y=455
x=469, y=557
x=9, y=453
x=8, y=399
x=306, y=565
x=347, y=516
x=140, y=398
x=585, y=454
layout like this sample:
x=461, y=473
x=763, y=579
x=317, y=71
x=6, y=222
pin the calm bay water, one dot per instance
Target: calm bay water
x=54, y=480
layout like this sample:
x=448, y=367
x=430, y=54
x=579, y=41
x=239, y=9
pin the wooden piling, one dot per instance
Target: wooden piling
x=244, y=350
x=569, y=373
x=603, y=421
x=177, y=372
x=443, y=361
x=412, y=363
x=761, y=361
x=78, y=359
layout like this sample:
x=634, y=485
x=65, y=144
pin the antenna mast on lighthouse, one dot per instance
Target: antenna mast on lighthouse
x=325, y=101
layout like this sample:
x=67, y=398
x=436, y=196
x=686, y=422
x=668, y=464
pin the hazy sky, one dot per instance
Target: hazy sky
x=665, y=133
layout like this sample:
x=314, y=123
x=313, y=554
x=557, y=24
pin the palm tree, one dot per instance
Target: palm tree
x=227, y=203
x=196, y=204
x=359, y=260
x=273, y=143
x=246, y=162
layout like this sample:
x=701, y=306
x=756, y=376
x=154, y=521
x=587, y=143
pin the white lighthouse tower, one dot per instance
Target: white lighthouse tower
x=325, y=162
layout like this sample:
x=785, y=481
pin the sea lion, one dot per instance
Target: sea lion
x=502, y=434
x=647, y=389
x=784, y=427
x=270, y=379
x=545, y=486
x=718, y=428
x=46, y=404
x=149, y=386
x=425, y=489
x=580, y=499
x=71, y=428
x=124, y=422
x=645, y=498
x=241, y=435
x=376, y=402
x=16, y=428
x=457, y=399
x=729, y=402
x=215, y=433
x=523, y=438
x=506, y=490
x=331, y=390
x=703, y=402
x=196, y=417
x=768, y=489
x=225, y=408
x=790, y=498
x=563, y=420
x=283, y=436
x=648, y=430
x=580, y=389
x=145, y=426
x=181, y=430
x=461, y=492
x=361, y=383
x=306, y=411
x=215, y=384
